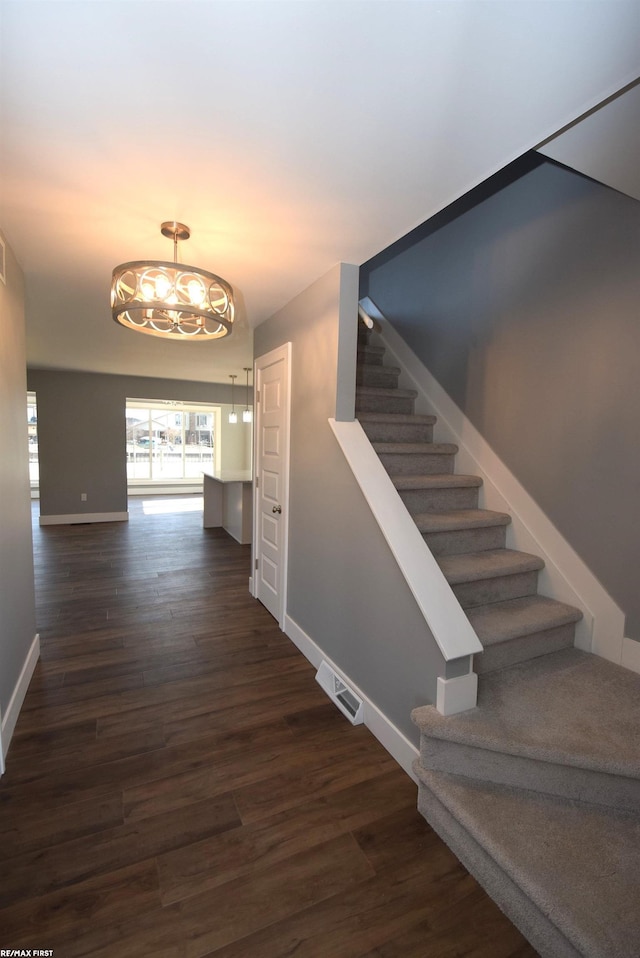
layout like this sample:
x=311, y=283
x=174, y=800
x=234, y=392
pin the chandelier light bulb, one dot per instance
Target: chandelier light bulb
x=233, y=415
x=246, y=415
x=163, y=286
x=196, y=292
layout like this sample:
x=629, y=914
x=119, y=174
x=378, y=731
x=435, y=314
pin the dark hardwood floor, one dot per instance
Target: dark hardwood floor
x=178, y=785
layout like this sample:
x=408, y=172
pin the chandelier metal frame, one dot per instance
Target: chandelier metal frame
x=172, y=300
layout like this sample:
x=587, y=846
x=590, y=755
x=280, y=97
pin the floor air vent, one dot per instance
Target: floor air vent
x=340, y=693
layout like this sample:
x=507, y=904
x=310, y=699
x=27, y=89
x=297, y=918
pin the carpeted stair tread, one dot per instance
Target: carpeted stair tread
x=374, y=367
x=514, y=618
x=441, y=481
x=472, y=566
x=367, y=349
x=416, y=448
x=567, y=708
x=429, y=522
x=396, y=417
x=391, y=392
x=567, y=875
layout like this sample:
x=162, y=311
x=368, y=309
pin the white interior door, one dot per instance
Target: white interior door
x=272, y=381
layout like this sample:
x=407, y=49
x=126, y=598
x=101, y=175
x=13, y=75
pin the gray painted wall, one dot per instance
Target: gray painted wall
x=526, y=310
x=82, y=438
x=17, y=601
x=344, y=588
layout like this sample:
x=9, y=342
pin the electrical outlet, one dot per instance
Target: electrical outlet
x=83, y=497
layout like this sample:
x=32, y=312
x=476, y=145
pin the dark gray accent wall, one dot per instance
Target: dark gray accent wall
x=82, y=438
x=526, y=309
x=17, y=600
x=344, y=588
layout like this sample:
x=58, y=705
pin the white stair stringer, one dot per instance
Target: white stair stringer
x=442, y=612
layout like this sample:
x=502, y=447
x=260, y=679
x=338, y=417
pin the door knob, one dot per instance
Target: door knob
x=277, y=509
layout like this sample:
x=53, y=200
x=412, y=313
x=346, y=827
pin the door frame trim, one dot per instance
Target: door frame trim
x=267, y=359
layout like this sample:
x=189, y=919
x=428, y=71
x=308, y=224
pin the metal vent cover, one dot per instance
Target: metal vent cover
x=349, y=703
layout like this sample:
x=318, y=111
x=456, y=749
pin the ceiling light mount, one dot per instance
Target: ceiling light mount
x=175, y=231
x=172, y=300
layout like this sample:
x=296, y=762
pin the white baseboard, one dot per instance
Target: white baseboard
x=565, y=576
x=15, y=703
x=168, y=489
x=390, y=737
x=78, y=517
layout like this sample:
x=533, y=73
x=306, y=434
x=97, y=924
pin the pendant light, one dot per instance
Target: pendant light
x=170, y=300
x=233, y=415
x=246, y=415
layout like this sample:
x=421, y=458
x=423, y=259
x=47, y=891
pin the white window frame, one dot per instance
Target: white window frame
x=178, y=406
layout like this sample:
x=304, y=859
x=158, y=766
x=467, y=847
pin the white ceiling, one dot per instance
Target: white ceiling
x=288, y=135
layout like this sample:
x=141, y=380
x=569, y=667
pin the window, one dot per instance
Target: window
x=32, y=430
x=169, y=441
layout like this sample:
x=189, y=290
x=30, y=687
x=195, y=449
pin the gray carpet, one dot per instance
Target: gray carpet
x=569, y=708
x=566, y=873
x=537, y=790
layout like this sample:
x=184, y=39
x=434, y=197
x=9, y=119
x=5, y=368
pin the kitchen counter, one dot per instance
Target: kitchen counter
x=228, y=502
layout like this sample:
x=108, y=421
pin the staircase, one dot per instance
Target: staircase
x=537, y=789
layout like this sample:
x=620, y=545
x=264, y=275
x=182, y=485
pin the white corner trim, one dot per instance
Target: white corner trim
x=458, y=694
x=631, y=655
x=17, y=698
x=390, y=737
x=441, y=610
x=77, y=517
x=565, y=576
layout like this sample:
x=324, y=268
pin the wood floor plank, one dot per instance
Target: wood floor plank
x=256, y=901
x=72, y=764
x=443, y=935
x=330, y=765
x=247, y=849
x=192, y=716
x=365, y=915
x=119, y=895
x=27, y=830
x=320, y=776
x=179, y=786
x=59, y=712
x=66, y=863
x=232, y=759
x=29, y=744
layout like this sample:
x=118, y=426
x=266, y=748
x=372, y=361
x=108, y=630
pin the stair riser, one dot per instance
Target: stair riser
x=370, y=356
x=398, y=432
x=440, y=500
x=497, y=589
x=466, y=540
x=417, y=464
x=522, y=649
x=549, y=778
x=389, y=403
x=377, y=376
